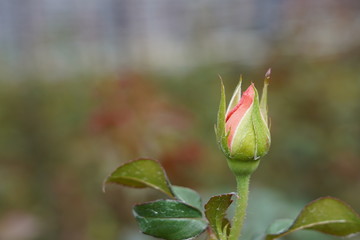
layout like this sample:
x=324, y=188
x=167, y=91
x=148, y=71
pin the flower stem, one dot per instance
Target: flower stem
x=241, y=205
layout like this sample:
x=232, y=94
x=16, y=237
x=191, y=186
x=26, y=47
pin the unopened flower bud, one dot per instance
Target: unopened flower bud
x=242, y=130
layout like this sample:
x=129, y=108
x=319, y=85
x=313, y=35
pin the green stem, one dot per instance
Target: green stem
x=241, y=205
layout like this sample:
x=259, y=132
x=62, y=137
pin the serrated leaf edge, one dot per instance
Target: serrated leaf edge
x=219, y=228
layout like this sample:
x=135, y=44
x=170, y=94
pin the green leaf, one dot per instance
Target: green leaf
x=226, y=226
x=279, y=226
x=169, y=219
x=187, y=196
x=328, y=215
x=141, y=173
x=215, y=211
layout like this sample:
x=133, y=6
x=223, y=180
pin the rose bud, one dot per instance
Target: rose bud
x=242, y=130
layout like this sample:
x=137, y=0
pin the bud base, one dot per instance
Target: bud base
x=243, y=168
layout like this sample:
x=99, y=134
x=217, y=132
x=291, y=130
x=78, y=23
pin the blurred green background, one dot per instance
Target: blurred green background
x=88, y=85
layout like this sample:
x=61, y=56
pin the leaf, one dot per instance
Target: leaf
x=328, y=215
x=187, y=196
x=169, y=219
x=279, y=226
x=215, y=211
x=141, y=173
x=226, y=226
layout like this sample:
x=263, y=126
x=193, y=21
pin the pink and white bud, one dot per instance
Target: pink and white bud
x=246, y=129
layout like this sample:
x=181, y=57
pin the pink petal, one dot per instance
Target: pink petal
x=234, y=116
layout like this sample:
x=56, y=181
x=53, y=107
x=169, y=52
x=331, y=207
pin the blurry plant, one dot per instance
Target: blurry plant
x=131, y=106
x=243, y=135
x=134, y=118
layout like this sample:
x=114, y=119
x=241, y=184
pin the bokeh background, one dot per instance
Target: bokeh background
x=88, y=85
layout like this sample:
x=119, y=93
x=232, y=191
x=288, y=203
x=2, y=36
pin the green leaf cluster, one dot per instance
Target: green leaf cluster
x=181, y=217
x=177, y=218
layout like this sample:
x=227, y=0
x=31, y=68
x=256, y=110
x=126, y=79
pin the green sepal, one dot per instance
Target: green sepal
x=235, y=97
x=261, y=130
x=221, y=135
x=263, y=101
